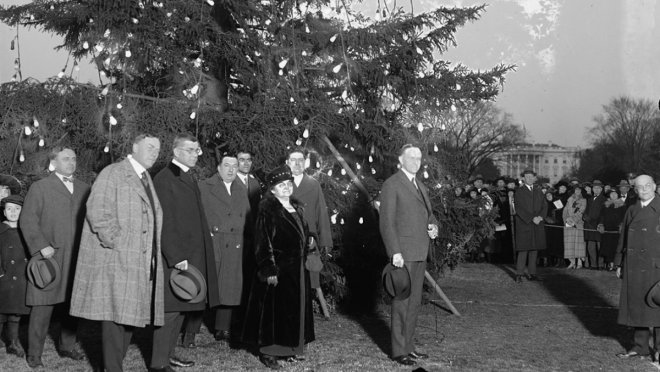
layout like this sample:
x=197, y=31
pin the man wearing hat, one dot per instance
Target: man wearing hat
x=531, y=209
x=629, y=198
x=9, y=185
x=226, y=204
x=407, y=225
x=638, y=253
x=186, y=241
x=119, y=276
x=51, y=221
x=595, y=203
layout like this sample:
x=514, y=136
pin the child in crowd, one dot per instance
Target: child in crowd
x=13, y=279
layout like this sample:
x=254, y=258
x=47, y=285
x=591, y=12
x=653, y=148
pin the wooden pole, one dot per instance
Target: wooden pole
x=441, y=293
x=324, y=305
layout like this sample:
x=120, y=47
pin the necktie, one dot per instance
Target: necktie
x=67, y=179
x=145, y=182
x=414, y=181
x=68, y=183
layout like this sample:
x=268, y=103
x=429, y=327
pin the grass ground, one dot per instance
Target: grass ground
x=565, y=323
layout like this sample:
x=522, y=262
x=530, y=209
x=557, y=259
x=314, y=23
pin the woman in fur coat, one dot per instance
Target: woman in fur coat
x=279, y=318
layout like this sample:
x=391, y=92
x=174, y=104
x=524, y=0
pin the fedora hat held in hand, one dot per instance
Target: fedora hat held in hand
x=396, y=281
x=188, y=285
x=44, y=273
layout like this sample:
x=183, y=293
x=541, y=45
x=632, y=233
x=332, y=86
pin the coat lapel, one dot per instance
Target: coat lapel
x=58, y=186
x=134, y=180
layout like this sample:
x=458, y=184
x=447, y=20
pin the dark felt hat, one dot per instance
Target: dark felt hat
x=623, y=183
x=188, y=285
x=597, y=183
x=13, y=199
x=653, y=296
x=12, y=182
x=278, y=175
x=396, y=281
x=44, y=273
x=527, y=171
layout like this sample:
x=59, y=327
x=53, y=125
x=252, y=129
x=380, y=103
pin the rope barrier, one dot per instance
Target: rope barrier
x=583, y=229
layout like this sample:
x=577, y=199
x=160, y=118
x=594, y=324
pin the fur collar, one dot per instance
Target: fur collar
x=270, y=205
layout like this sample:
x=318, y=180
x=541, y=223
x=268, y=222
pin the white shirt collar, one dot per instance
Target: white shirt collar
x=180, y=165
x=228, y=186
x=243, y=177
x=298, y=179
x=408, y=174
x=139, y=168
x=61, y=177
x=645, y=203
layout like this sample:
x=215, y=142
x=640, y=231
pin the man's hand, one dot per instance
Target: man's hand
x=397, y=260
x=537, y=220
x=183, y=265
x=433, y=231
x=47, y=252
x=618, y=272
x=601, y=228
x=272, y=280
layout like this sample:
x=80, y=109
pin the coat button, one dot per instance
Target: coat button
x=14, y=278
x=11, y=246
x=232, y=229
x=12, y=262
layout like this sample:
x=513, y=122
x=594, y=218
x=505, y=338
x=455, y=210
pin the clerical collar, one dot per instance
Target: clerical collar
x=139, y=168
x=180, y=165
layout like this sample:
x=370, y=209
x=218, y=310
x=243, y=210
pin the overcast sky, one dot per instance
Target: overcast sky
x=572, y=57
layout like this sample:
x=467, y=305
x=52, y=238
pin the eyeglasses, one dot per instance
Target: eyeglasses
x=192, y=151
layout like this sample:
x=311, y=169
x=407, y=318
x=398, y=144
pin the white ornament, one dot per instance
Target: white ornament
x=361, y=221
x=28, y=130
x=306, y=133
x=193, y=115
x=336, y=68
x=333, y=38
x=295, y=121
x=41, y=142
x=112, y=120
x=35, y=122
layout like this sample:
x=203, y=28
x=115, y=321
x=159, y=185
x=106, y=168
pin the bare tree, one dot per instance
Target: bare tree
x=630, y=126
x=470, y=135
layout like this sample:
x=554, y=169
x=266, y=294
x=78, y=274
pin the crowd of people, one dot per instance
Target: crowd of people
x=581, y=220
x=134, y=252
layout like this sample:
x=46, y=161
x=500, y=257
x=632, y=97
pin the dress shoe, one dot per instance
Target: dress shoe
x=163, y=369
x=14, y=347
x=418, y=355
x=519, y=279
x=176, y=362
x=34, y=361
x=72, y=354
x=221, y=335
x=405, y=360
x=534, y=278
x=270, y=361
x=631, y=354
x=189, y=341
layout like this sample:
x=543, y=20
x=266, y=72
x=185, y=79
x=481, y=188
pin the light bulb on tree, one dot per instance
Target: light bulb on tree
x=35, y=122
x=28, y=130
x=112, y=120
x=306, y=133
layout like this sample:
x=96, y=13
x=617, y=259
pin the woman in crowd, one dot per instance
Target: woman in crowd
x=610, y=220
x=554, y=235
x=561, y=198
x=574, y=245
x=279, y=317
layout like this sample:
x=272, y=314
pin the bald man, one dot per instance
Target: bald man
x=636, y=258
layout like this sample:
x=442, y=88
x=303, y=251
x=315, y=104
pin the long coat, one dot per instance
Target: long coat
x=114, y=265
x=591, y=215
x=226, y=216
x=185, y=235
x=51, y=215
x=574, y=245
x=639, y=252
x=274, y=312
x=404, y=218
x=13, y=261
x=309, y=192
x=529, y=204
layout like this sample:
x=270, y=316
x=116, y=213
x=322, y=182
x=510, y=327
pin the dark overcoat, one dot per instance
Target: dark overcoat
x=404, y=218
x=639, y=251
x=273, y=312
x=591, y=215
x=309, y=192
x=13, y=282
x=529, y=204
x=185, y=235
x=51, y=215
x=112, y=279
x=226, y=215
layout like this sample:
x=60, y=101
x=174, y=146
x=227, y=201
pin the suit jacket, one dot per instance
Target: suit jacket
x=185, y=234
x=226, y=216
x=591, y=216
x=51, y=215
x=404, y=218
x=316, y=211
x=114, y=265
x=529, y=204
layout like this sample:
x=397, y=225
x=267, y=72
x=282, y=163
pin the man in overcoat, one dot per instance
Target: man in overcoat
x=637, y=260
x=186, y=241
x=51, y=222
x=531, y=208
x=226, y=205
x=308, y=190
x=119, y=275
x=590, y=217
x=407, y=225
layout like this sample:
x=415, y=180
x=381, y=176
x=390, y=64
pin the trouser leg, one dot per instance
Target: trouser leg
x=417, y=270
x=223, y=318
x=193, y=320
x=116, y=339
x=641, y=340
x=38, y=329
x=592, y=252
x=531, y=262
x=68, y=329
x=521, y=262
x=164, y=340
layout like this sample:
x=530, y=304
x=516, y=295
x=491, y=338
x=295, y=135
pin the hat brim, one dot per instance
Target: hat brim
x=12, y=182
x=201, y=295
x=653, y=292
x=389, y=283
x=56, y=267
